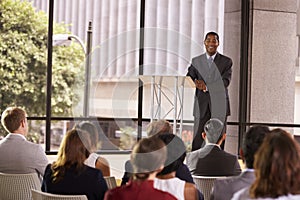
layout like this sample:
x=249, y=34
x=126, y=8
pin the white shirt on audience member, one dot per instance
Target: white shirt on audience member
x=91, y=160
x=174, y=186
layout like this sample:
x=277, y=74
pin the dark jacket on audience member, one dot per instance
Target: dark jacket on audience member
x=211, y=160
x=89, y=182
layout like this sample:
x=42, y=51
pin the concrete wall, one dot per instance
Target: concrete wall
x=232, y=41
x=273, y=61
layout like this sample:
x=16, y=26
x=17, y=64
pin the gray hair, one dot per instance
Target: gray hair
x=214, y=130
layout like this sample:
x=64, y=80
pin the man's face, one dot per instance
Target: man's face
x=211, y=44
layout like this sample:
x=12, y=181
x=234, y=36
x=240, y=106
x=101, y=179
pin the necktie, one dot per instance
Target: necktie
x=210, y=61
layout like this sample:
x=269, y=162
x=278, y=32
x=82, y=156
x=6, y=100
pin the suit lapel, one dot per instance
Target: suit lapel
x=217, y=61
x=202, y=66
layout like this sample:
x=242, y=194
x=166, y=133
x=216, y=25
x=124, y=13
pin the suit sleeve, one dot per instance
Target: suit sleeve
x=237, y=167
x=226, y=75
x=192, y=72
x=41, y=160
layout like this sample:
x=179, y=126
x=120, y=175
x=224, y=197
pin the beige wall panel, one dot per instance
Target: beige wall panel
x=273, y=63
x=276, y=5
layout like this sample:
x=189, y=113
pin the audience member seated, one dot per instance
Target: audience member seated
x=69, y=175
x=19, y=156
x=166, y=180
x=148, y=158
x=156, y=128
x=211, y=160
x=224, y=189
x=94, y=160
x=277, y=169
x=159, y=126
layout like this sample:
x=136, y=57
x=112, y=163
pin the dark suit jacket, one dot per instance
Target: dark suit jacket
x=216, y=81
x=89, y=182
x=211, y=160
x=225, y=188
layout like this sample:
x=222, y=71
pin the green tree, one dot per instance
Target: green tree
x=23, y=62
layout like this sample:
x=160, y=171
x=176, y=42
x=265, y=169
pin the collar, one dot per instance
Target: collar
x=212, y=144
x=249, y=170
x=16, y=135
x=213, y=56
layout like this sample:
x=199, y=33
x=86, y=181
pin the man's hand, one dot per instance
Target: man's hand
x=200, y=85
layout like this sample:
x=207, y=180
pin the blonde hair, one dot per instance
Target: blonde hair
x=160, y=126
x=147, y=156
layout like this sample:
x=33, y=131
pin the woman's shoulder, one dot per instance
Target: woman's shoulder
x=48, y=171
x=92, y=175
x=48, y=168
x=92, y=170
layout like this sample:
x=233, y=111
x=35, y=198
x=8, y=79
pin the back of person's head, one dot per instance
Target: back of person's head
x=214, y=130
x=251, y=142
x=212, y=33
x=11, y=118
x=74, y=150
x=148, y=156
x=176, y=152
x=91, y=129
x=160, y=126
x=277, y=166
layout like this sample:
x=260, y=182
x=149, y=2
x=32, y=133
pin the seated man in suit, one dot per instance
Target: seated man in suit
x=17, y=155
x=225, y=188
x=211, y=160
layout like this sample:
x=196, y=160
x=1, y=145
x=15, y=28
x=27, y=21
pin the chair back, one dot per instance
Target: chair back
x=39, y=195
x=110, y=181
x=205, y=184
x=18, y=186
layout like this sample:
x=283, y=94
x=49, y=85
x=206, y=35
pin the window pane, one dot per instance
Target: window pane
x=114, y=53
x=23, y=47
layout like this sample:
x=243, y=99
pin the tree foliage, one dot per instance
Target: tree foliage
x=23, y=62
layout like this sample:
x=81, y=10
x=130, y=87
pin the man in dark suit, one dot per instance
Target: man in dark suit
x=211, y=73
x=224, y=189
x=211, y=160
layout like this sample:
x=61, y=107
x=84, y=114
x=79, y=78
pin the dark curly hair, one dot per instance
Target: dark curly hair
x=252, y=141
